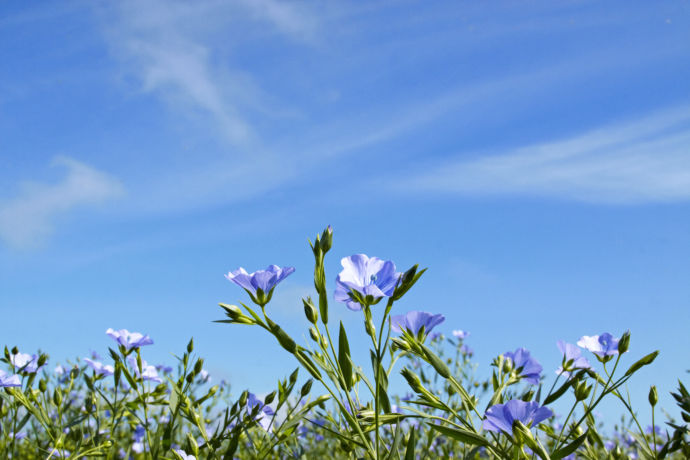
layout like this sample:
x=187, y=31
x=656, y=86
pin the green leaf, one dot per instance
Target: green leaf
x=559, y=392
x=409, y=452
x=174, y=400
x=460, y=435
x=344, y=357
x=642, y=362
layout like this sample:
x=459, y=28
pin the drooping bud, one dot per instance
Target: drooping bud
x=310, y=310
x=413, y=380
x=314, y=334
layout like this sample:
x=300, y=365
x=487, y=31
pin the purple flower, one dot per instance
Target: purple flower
x=25, y=362
x=601, y=345
x=99, y=368
x=128, y=339
x=572, y=357
x=500, y=417
x=148, y=372
x=460, y=334
x=164, y=369
x=264, y=414
x=368, y=276
x=414, y=321
x=466, y=350
x=529, y=369
x=260, y=284
x=9, y=380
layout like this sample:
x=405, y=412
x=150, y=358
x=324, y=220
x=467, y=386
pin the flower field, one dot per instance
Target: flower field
x=120, y=406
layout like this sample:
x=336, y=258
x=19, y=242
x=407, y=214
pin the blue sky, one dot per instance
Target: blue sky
x=533, y=155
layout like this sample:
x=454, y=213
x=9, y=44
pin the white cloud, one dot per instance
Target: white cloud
x=171, y=48
x=29, y=217
x=642, y=161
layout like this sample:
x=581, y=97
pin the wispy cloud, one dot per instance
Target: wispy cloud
x=171, y=48
x=28, y=218
x=646, y=160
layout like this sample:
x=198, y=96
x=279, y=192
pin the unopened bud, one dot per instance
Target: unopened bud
x=314, y=334
x=653, y=396
x=57, y=397
x=198, y=366
x=293, y=376
x=310, y=310
x=270, y=397
x=624, y=343
x=243, y=398
x=306, y=388
x=412, y=380
x=582, y=391
x=193, y=444
x=190, y=345
x=326, y=239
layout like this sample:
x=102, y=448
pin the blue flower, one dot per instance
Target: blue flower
x=601, y=345
x=99, y=368
x=528, y=368
x=9, y=380
x=500, y=417
x=148, y=372
x=260, y=284
x=460, y=334
x=414, y=321
x=128, y=339
x=572, y=358
x=26, y=363
x=371, y=277
x=264, y=413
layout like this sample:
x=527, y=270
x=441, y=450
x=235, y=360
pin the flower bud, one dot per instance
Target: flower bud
x=521, y=433
x=293, y=376
x=198, y=366
x=310, y=310
x=370, y=328
x=42, y=385
x=243, y=398
x=190, y=345
x=42, y=360
x=306, y=388
x=270, y=397
x=582, y=391
x=15, y=350
x=193, y=444
x=57, y=397
x=653, y=396
x=326, y=239
x=399, y=344
x=314, y=334
x=412, y=380
x=624, y=343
